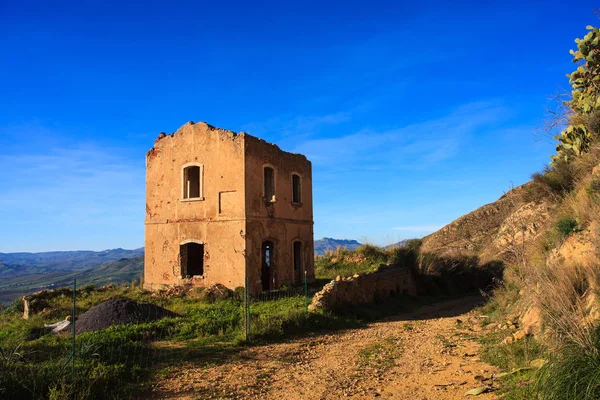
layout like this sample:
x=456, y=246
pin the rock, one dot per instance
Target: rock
x=508, y=340
x=59, y=326
x=519, y=335
x=531, y=322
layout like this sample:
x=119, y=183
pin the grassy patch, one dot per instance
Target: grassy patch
x=380, y=355
x=573, y=373
x=445, y=342
x=113, y=362
x=365, y=259
x=566, y=226
x=515, y=359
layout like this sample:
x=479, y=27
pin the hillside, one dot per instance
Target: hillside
x=119, y=271
x=547, y=234
x=19, y=264
x=493, y=230
x=325, y=244
x=401, y=243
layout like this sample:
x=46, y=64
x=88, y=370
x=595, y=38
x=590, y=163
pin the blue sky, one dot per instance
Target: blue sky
x=413, y=114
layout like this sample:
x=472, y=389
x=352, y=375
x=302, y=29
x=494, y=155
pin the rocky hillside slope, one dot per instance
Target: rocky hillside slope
x=494, y=230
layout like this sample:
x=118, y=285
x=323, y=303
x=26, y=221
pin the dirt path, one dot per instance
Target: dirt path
x=428, y=354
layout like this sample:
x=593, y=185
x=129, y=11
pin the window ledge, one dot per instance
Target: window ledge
x=192, y=199
x=296, y=204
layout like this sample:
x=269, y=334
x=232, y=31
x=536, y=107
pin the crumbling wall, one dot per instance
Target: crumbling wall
x=231, y=218
x=387, y=281
x=216, y=219
x=282, y=222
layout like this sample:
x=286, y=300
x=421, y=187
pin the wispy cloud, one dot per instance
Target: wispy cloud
x=303, y=126
x=410, y=146
x=72, y=190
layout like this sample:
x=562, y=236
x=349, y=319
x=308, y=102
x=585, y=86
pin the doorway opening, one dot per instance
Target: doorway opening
x=267, y=265
x=297, y=263
x=192, y=259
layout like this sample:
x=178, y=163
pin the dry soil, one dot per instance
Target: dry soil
x=430, y=353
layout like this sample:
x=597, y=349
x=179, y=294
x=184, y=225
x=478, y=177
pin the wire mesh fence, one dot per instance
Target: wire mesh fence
x=124, y=335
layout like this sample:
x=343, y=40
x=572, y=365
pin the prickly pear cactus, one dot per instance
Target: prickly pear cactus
x=585, y=99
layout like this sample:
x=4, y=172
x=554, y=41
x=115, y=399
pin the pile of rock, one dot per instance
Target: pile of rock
x=119, y=312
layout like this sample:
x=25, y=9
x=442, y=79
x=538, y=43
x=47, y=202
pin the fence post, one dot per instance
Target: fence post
x=306, y=289
x=246, y=310
x=73, y=317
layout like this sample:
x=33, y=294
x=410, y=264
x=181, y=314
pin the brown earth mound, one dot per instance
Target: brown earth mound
x=119, y=312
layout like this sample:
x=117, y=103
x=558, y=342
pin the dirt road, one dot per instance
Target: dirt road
x=428, y=354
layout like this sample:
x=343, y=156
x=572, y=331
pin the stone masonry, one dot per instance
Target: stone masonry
x=223, y=207
x=387, y=281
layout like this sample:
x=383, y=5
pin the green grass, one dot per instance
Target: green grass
x=515, y=359
x=365, y=259
x=379, y=355
x=573, y=373
x=113, y=362
x=566, y=226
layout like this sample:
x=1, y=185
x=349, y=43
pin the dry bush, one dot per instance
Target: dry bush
x=583, y=203
x=563, y=295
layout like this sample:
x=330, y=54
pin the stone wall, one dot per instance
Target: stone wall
x=387, y=281
x=230, y=218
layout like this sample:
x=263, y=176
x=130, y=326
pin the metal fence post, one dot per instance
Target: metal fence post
x=246, y=310
x=306, y=289
x=73, y=316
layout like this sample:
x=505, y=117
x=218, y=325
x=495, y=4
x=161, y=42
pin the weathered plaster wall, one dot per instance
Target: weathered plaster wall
x=388, y=280
x=217, y=220
x=282, y=234
x=282, y=222
x=260, y=154
x=232, y=219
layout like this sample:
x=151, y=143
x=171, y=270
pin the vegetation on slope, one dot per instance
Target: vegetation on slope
x=113, y=362
x=553, y=282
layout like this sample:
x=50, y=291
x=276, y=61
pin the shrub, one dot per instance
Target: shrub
x=373, y=254
x=573, y=374
x=594, y=187
x=455, y=275
x=552, y=182
x=405, y=256
x=566, y=226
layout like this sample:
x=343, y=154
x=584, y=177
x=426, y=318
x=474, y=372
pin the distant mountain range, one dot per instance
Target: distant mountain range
x=322, y=245
x=18, y=264
x=23, y=273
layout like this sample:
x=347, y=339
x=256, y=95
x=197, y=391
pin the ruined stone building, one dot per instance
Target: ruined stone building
x=221, y=207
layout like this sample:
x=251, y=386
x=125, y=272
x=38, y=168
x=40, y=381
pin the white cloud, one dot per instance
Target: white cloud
x=411, y=146
x=71, y=193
